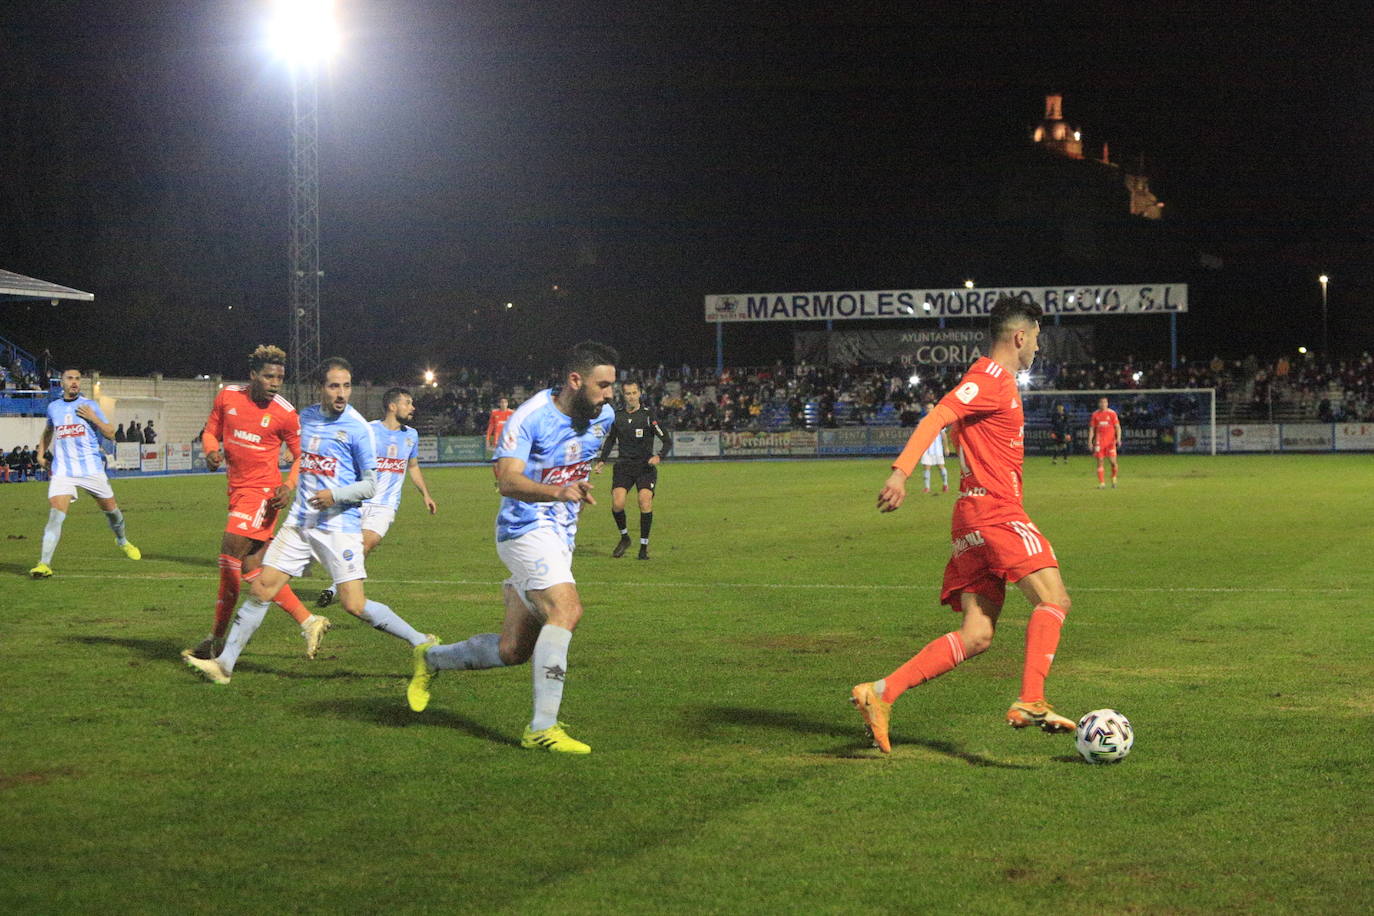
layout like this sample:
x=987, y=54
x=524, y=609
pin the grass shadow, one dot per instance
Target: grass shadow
x=392, y=714
x=151, y=649
x=252, y=667
x=793, y=722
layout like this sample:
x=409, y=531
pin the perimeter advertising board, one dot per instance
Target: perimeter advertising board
x=696, y=445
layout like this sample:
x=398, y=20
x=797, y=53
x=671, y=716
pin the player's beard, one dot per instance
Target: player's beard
x=583, y=410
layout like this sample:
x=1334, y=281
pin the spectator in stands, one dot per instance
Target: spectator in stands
x=4, y=469
x=135, y=432
x=149, y=434
x=120, y=435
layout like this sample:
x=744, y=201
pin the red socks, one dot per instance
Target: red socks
x=287, y=601
x=1042, y=639
x=230, y=572
x=1100, y=478
x=939, y=656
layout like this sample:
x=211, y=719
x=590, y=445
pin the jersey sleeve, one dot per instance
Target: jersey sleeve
x=414, y=438
x=517, y=438
x=975, y=395
x=661, y=431
x=364, y=447
x=95, y=405
x=609, y=444
x=291, y=434
x=214, y=425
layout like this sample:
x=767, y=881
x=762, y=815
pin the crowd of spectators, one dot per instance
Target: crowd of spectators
x=19, y=464
x=809, y=396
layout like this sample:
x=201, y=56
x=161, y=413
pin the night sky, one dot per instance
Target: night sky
x=639, y=156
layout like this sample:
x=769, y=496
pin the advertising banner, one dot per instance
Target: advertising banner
x=462, y=448
x=1197, y=440
x=696, y=445
x=1352, y=437
x=178, y=456
x=1255, y=437
x=1136, y=299
x=798, y=442
x=152, y=458
x=1306, y=437
x=427, y=449
x=929, y=346
x=851, y=440
x=127, y=456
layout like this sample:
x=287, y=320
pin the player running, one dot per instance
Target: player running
x=338, y=470
x=246, y=429
x=994, y=540
x=398, y=454
x=1104, y=432
x=935, y=457
x=543, y=462
x=75, y=424
x=635, y=429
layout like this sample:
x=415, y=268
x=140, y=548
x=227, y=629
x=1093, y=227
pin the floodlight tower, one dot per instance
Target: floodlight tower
x=304, y=35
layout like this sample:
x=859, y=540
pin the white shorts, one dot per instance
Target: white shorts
x=931, y=461
x=378, y=518
x=538, y=560
x=98, y=485
x=339, y=552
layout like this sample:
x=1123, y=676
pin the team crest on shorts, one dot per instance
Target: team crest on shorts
x=347, y=555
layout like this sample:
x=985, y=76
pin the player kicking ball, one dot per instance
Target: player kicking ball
x=338, y=471
x=398, y=454
x=77, y=464
x=542, y=462
x=1104, y=432
x=247, y=426
x=994, y=540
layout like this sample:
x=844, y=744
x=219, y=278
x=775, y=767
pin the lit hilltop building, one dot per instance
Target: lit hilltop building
x=1055, y=135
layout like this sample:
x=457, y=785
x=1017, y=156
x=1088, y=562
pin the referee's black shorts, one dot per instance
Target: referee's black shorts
x=634, y=475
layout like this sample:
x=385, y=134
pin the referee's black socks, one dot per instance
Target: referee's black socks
x=620, y=523
x=646, y=521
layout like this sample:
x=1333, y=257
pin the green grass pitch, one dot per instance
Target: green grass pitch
x=1223, y=604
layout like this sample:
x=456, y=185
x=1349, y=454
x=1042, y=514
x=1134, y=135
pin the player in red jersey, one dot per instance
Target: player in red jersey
x=994, y=541
x=496, y=422
x=1104, y=432
x=246, y=429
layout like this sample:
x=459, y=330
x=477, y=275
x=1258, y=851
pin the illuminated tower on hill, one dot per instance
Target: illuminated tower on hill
x=1055, y=134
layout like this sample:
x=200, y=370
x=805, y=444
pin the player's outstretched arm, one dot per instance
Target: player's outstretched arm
x=931, y=425
x=893, y=493
x=418, y=478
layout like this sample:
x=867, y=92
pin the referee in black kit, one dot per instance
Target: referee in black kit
x=637, y=466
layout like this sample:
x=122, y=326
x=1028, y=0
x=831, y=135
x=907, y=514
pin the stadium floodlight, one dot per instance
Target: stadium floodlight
x=429, y=376
x=1326, y=343
x=914, y=380
x=1302, y=351
x=304, y=33
x=1023, y=378
x=968, y=284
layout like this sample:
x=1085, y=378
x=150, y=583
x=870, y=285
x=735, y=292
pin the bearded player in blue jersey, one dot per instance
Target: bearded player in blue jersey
x=75, y=424
x=338, y=471
x=543, y=460
x=398, y=456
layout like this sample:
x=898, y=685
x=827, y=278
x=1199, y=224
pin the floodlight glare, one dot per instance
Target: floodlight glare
x=429, y=376
x=968, y=284
x=303, y=33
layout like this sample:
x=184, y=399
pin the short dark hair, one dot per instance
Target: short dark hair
x=321, y=373
x=633, y=380
x=587, y=355
x=1011, y=310
x=67, y=369
x=266, y=355
x=393, y=395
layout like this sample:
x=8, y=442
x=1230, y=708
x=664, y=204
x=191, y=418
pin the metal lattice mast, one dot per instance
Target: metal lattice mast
x=305, y=229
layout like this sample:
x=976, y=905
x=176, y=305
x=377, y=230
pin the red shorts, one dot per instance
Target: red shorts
x=249, y=513
x=1106, y=451
x=986, y=558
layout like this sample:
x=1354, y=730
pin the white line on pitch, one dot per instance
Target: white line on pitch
x=824, y=586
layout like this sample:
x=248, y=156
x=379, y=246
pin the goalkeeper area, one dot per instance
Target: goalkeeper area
x=1153, y=420
x=729, y=772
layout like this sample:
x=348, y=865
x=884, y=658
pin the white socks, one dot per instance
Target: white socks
x=388, y=621
x=549, y=668
x=52, y=533
x=474, y=653
x=246, y=622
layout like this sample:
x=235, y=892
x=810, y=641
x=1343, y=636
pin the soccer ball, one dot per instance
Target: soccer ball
x=1104, y=736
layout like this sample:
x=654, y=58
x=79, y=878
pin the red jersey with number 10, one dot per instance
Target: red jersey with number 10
x=252, y=436
x=991, y=436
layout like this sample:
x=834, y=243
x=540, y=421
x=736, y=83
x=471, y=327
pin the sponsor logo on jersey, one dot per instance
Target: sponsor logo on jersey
x=247, y=436
x=391, y=465
x=71, y=430
x=266, y=420
x=966, y=392
x=320, y=465
x=565, y=474
x=233, y=412
x=968, y=541
x=391, y=450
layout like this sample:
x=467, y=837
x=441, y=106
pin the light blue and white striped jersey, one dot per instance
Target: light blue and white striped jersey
x=395, y=448
x=543, y=437
x=75, y=442
x=335, y=452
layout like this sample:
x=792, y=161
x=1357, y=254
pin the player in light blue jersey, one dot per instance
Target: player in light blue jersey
x=337, y=472
x=398, y=454
x=75, y=424
x=543, y=461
